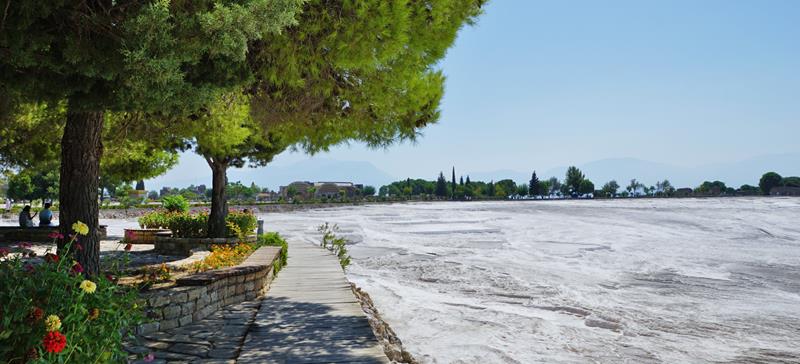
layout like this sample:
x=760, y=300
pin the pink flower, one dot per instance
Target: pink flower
x=130, y=235
x=149, y=357
x=55, y=235
x=25, y=245
x=4, y=251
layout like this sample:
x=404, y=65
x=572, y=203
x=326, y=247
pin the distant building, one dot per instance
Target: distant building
x=785, y=191
x=683, y=192
x=306, y=189
x=267, y=196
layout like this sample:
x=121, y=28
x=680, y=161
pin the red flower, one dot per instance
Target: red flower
x=4, y=251
x=77, y=268
x=55, y=235
x=109, y=277
x=51, y=258
x=54, y=342
x=30, y=268
x=128, y=247
x=78, y=246
x=36, y=314
x=25, y=245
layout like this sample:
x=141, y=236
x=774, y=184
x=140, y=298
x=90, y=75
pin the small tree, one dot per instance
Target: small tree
x=610, y=188
x=574, y=178
x=453, y=185
x=533, y=185
x=768, y=181
x=368, y=191
x=586, y=187
x=441, y=186
x=555, y=185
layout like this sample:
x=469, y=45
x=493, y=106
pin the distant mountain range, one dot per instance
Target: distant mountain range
x=193, y=170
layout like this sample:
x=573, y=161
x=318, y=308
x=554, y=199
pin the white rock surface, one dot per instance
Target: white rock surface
x=637, y=281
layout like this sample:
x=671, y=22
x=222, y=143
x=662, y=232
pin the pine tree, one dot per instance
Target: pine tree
x=533, y=186
x=461, y=181
x=467, y=182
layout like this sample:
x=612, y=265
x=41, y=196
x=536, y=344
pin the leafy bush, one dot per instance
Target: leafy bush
x=154, y=220
x=245, y=223
x=274, y=239
x=50, y=313
x=175, y=203
x=186, y=225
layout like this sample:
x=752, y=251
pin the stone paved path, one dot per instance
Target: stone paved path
x=216, y=339
x=309, y=315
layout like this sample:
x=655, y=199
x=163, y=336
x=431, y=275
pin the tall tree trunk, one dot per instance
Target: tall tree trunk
x=219, y=203
x=81, y=150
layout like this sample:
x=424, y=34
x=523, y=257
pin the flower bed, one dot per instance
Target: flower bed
x=51, y=313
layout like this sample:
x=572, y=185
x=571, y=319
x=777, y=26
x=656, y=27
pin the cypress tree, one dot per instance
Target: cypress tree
x=453, y=185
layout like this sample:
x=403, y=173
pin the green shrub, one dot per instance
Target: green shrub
x=154, y=220
x=175, y=203
x=186, y=225
x=52, y=300
x=245, y=223
x=334, y=243
x=274, y=239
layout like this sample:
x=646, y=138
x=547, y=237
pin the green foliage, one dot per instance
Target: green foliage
x=534, y=186
x=574, y=178
x=154, y=220
x=749, y=190
x=791, y=181
x=522, y=189
x=334, y=243
x=715, y=188
x=610, y=188
x=31, y=293
x=186, y=225
x=274, y=239
x=176, y=203
x=441, y=186
x=586, y=187
x=34, y=184
x=245, y=223
x=368, y=191
x=768, y=181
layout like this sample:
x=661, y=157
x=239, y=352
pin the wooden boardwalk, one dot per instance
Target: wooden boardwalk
x=310, y=315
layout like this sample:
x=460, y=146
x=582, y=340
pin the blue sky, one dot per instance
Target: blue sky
x=536, y=85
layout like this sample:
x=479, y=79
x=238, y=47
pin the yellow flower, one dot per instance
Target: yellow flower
x=52, y=323
x=80, y=228
x=88, y=286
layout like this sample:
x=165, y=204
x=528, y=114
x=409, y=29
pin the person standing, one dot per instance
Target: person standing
x=46, y=215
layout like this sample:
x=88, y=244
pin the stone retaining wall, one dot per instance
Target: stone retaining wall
x=196, y=296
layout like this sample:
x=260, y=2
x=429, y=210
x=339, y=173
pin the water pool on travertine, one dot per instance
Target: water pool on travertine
x=648, y=280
